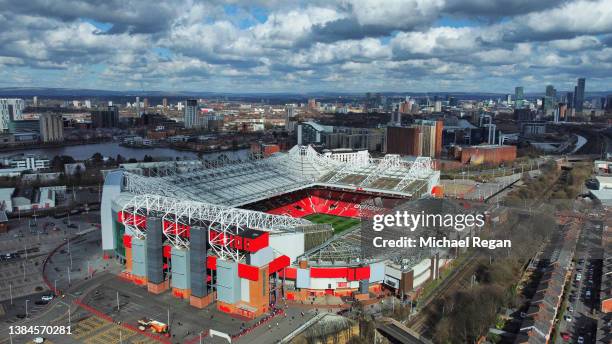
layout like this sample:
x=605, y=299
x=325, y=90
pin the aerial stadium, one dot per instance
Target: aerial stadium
x=238, y=233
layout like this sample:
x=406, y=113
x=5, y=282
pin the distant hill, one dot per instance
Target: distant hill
x=43, y=92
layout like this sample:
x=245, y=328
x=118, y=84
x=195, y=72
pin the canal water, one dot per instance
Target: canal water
x=112, y=149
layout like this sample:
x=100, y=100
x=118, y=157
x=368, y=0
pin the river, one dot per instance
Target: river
x=112, y=149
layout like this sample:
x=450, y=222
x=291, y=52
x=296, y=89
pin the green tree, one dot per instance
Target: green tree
x=97, y=158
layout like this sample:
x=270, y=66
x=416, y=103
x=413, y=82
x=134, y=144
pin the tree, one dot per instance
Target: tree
x=78, y=173
x=67, y=159
x=97, y=158
x=57, y=164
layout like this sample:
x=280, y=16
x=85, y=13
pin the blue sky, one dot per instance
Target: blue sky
x=306, y=46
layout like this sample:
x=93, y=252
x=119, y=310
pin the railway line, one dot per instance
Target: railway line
x=461, y=277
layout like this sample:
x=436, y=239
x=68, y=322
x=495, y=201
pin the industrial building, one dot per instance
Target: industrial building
x=485, y=154
x=51, y=127
x=234, y=233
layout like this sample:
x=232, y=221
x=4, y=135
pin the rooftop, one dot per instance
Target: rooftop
x=240, y=182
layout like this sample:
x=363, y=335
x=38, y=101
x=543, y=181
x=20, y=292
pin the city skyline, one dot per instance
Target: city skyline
x=295, y=47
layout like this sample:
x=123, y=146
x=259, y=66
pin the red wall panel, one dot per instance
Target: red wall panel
x=289, y=273
x=254, y=245
x=127, y=241
x=249, y=272
x=328, y=272
x=362, y=273
x=211, y=262
x=278, y=264
x=237, y=243
x=167, y=251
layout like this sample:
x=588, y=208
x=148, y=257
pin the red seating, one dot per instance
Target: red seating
x=312, y=201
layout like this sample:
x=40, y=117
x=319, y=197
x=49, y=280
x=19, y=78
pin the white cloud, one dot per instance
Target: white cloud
x=439, y=40
x=395, y=13
x=576, y=43
x=285, y=29
x=312, y=45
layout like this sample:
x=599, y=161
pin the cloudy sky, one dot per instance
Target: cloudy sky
x=305, y=46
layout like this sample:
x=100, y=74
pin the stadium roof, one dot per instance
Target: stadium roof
x=241, y=182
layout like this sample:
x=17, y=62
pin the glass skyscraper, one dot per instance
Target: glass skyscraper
x=579, y=95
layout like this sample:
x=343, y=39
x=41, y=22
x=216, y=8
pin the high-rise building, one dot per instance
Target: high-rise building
x=396, y=117
x=519, y=93
x=289, y=115
x=438, y=106
x=51, y=127
x=423, y=138
x=550, y=99
x=570, y=100
x=562, y=111
x=432, y=137
x=191, y=116
x=404, y=141
x=165, y=103
x=10, y=110
x=312, y=104
x=146, y=104
x=108, y=118
x=138, y=113
x=609, y=103
x=35, y=101
x=579, y=95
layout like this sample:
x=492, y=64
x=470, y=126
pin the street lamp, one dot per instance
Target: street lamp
x=26, y=307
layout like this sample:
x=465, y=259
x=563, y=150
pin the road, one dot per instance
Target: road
x=580, y=313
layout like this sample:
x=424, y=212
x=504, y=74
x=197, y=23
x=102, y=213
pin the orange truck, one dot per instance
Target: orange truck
x=154, y=325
